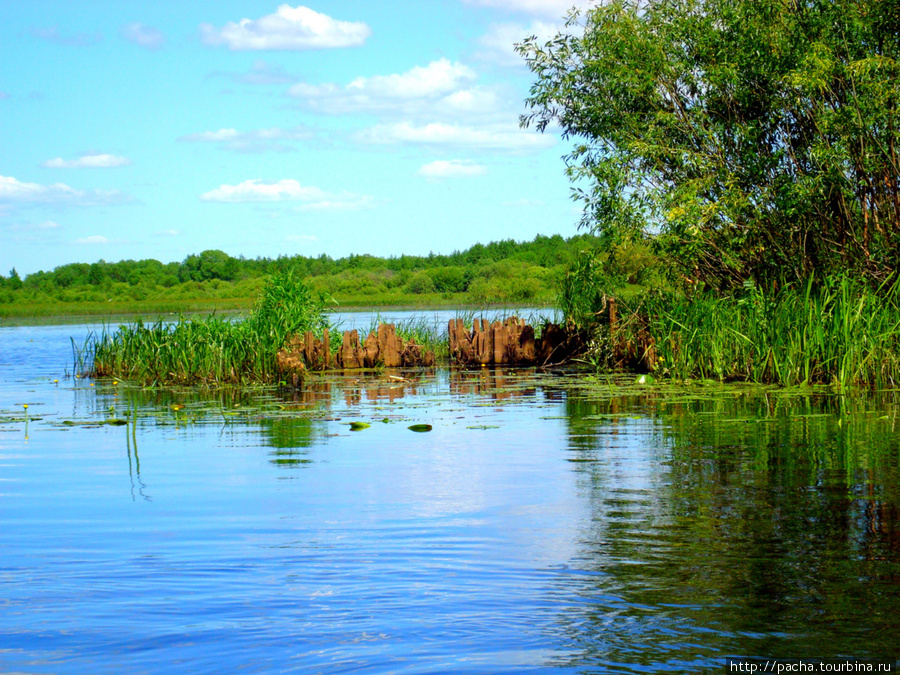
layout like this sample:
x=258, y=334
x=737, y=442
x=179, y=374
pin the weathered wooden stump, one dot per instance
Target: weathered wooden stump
x=508, y=342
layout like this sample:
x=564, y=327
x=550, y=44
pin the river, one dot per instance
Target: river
x=548, y=522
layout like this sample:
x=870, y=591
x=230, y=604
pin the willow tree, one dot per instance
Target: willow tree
x=751, y=139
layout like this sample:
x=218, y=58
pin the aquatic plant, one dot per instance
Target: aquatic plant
x=212, y=350
x=835, y=330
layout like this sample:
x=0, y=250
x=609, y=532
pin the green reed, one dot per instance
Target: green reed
x=212, y=350
x=828, y=331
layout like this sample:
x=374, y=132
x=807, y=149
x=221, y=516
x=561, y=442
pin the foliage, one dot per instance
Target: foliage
x=505, y=271
x=834, y=330
x=754, y=139
x=213, y=350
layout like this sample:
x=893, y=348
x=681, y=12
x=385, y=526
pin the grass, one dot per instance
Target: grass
x=828, y=331
x=212, y=350
x=27, y=312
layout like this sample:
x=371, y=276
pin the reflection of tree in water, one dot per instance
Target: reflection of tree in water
x=291, y=438
x=741, y=524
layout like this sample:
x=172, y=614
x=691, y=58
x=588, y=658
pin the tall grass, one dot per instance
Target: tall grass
x=212, y=350
x=829, y=331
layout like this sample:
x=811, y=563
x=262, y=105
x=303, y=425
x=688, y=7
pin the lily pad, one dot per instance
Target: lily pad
x=359, y=426
x=420, y=427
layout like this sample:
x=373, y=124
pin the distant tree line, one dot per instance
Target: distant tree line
x=499, y=271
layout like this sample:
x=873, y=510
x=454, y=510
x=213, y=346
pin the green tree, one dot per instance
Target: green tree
x=14, y=283
x=750, y=138
x=209, y=265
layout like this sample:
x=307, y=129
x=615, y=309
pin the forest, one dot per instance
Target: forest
x=507, y=272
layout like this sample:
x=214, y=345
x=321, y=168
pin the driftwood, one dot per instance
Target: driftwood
x=510, y=342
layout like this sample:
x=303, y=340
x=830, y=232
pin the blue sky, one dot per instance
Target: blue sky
x=138, y=129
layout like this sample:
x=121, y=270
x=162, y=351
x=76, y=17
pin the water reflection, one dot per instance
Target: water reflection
x=743, y=523
x=135, y=470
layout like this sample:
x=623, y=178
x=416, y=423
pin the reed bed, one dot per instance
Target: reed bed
x=212, y=350
x=833, y=331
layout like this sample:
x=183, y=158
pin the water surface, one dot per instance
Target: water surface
x=548, y=522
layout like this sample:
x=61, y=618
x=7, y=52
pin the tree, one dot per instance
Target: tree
x=210, y=264
x=14, y=283
x=749, y=138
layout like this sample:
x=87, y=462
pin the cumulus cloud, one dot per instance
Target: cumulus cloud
x=310, y=198
x=91, y=161
x=440, y=89
x=259, y=140
x=436, y=79
x=451, y=168
x=143, y=36
x=289, y=28
x=548, y=8
x=488, y=137
x=498, y=44
x=53, y=35
x=13, y=191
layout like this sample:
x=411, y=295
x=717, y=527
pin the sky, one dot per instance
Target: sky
x=133, y=129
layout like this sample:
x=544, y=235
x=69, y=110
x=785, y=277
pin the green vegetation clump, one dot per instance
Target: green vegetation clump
x=835, y=331
x=212, y=351
x=750, y=146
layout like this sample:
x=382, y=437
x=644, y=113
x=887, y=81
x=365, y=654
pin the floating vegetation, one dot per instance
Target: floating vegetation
x=359, y=426
x=420, y=428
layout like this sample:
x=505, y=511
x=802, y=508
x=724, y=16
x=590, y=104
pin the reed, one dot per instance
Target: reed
x=827, y=331
x=212, y=350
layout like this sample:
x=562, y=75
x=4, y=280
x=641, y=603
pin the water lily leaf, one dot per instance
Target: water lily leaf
x=359, y=426
x=420, y=427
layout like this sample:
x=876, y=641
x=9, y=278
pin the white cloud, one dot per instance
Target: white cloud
x=291, y=28
x=452, y=168
x=437, y=78
x=440, y=84
x=258, y=191
x=549, y=8
x=13, y=191
x=442, y=90
x=287, y=190
x=493, y=137
x=498, y=44
x=95, y=161
x=143, y=36
x=259, y=140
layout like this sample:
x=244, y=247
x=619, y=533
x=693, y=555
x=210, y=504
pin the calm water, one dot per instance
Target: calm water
x=546, y=523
